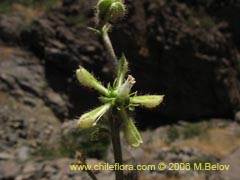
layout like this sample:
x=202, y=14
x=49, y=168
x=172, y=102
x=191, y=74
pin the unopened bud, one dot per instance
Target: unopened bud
x=88, y=80
x=117, y=10
x=110, y=10
x=91, y=118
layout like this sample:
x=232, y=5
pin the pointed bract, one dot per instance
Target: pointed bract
x=91, y=118
x=88, y=80
x=121, y=72
x=148, y=101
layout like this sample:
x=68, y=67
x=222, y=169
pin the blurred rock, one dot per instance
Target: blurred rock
x=5, y=156
x=10, y=28
x=23, y=77
x=233, y=173
x=23, y=153
x=57, y=103
x=9, y=169
x=237, y=117
x=29, y=168
x=22, y=73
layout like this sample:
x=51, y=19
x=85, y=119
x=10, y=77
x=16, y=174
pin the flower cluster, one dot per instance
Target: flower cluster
x=118, y=97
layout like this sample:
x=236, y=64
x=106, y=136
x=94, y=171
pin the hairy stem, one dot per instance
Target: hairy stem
x=110, y=51
x=117, y=150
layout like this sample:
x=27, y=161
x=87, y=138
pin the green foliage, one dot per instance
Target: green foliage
x=47, y=152
x=207, y=22
x=173, y=133
x=200, y=17
x=87, y=140
x=192, y=130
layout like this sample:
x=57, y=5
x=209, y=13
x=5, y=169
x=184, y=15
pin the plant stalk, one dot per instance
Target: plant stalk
x=110, y=51
x=116, y=142
x=114, y=123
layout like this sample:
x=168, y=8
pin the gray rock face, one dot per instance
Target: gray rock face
x=10, y=28
x=23, y=153
x=234, y=161
x=5, y=156
x=9, y=169
x=233, y=173
x=23, y=77
x=22, y=73
x=193, y=63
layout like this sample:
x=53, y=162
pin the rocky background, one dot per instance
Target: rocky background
x=188, y=51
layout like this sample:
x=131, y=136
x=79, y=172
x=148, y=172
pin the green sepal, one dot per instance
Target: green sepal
x=105, y=99
x=148, y=101
x=131, y=133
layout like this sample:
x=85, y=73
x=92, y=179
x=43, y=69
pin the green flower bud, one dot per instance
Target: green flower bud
x=110, y=10
x=88, y=80
x=117, y=10
x=149, y=101
x=103, y=7
x=91, y=118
